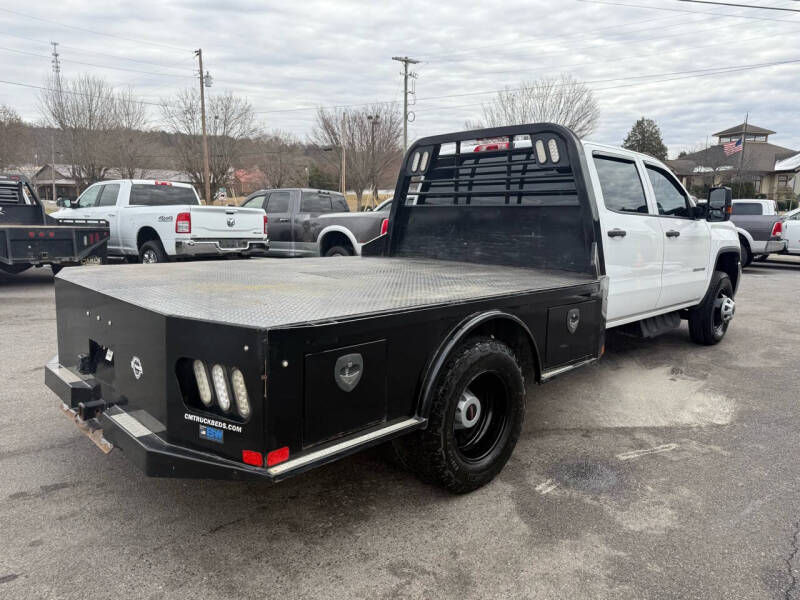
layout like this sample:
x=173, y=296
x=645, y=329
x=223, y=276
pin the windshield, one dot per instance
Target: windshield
x=149, y=194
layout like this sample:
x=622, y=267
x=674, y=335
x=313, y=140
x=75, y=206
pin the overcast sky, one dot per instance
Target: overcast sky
x=285, y=56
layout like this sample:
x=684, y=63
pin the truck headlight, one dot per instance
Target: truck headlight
x=240, y=393
x=221, y=387
x=203, y=385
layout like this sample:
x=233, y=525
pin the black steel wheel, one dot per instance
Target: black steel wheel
x=475, y=420
x=709, y=320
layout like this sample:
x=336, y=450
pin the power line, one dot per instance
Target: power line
x=111, y=35
x=82, y=50
x=694, y=12
x=494, y=91
x=742, y=5
x=74, y=93
x=78, y=62
x=723, y=71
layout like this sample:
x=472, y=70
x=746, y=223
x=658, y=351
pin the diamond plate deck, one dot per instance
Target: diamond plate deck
x=268, y=293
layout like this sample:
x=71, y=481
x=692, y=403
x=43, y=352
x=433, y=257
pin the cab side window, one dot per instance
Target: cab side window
x=279, y=202
x=314, y=202
x=109, y=195
x=255, y=202
x=670, y=198
x=89, y=197
x=621, y=185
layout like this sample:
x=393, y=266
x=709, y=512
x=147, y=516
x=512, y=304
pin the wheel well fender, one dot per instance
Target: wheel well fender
x=728, y=261
x=744, y=236
x=335, y=235
x=146, y=234
x=497, y=324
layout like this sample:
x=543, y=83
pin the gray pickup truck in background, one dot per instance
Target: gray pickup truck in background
x=307, y=222
x=760, y=228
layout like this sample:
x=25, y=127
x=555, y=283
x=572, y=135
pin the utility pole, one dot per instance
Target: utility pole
x=373, y=121
x=55, y=62
x=343, y=182
x=406, y=61
x=203, y=78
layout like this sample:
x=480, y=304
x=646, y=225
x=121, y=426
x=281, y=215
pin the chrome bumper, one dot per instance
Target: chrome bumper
x=219, y=247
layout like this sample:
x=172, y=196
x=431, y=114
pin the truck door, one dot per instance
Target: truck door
x=632, y=243
x=791, y=232
x=687, y=241
x=107, y=209
x=278, y=207
x=86, y=202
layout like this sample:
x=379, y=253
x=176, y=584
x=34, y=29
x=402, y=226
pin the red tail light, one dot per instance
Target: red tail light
x=251, y=457
x=265, y=224
x=278, y=456
x=183, y=223
x=777, y=229
x=385, y=227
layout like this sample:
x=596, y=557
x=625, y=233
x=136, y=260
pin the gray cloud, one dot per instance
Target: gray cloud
x=284, y=55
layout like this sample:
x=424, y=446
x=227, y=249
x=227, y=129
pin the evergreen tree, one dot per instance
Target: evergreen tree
x=645, y=137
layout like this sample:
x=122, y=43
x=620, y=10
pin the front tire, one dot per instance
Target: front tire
x=475, y=420
x=709, y=320
x=152, y=252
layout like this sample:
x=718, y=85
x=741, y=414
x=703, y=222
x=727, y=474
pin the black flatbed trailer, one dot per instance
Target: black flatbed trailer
x=29, y=237
x=490, y=277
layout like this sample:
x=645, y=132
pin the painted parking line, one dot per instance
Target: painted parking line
x=645, y=451
x=546, y=486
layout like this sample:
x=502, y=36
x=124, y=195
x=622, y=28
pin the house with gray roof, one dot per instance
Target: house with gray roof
x=766, y=169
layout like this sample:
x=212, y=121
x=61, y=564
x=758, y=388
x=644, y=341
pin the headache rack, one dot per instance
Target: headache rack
x=511, y=195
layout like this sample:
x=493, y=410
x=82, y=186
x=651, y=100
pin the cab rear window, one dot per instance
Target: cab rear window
x=145, y=194
x=746, y=208
x=322, y=202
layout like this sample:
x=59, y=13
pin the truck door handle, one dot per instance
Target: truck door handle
x=111, y=214
x=283, y=220
x=673, y=233
x=617, y=233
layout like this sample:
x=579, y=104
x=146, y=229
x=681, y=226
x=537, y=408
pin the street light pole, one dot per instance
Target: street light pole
x=206, y=171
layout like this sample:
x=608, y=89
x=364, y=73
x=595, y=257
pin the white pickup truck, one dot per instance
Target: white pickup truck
x=155, y=221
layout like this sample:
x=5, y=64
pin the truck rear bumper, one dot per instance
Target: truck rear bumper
x=142, y=438
x=768, y=246
x=138, y=434
x=184, y=248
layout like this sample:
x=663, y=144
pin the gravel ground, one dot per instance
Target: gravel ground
x=668, y=470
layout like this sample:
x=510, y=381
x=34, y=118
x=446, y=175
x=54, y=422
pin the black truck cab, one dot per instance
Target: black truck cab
x=490, y=278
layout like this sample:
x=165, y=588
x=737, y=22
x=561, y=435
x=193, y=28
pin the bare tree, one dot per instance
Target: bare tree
x=281, y=159
x=85, y=109
x=229, y=118
x=13, y=137
x=563, y=100
x=354, y=131
x=129, y=151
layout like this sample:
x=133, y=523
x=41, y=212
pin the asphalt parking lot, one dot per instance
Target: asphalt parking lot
x=669, y=470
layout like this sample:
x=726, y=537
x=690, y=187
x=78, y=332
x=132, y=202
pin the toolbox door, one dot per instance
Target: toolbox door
x=345, y=391
x=572, y=332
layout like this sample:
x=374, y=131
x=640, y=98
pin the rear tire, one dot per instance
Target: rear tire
x=339, y=251
x=152, y=252
x=709, y=320
x=475, y=420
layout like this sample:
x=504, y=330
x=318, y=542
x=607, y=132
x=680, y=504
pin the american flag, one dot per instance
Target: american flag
x=733, y=147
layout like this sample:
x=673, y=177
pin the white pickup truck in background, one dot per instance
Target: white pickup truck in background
x=155, y=221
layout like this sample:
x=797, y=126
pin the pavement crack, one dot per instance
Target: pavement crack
x=788, y=593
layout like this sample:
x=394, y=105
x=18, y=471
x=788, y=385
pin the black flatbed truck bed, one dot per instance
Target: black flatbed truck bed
x=29, y=237
x=340, y=354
